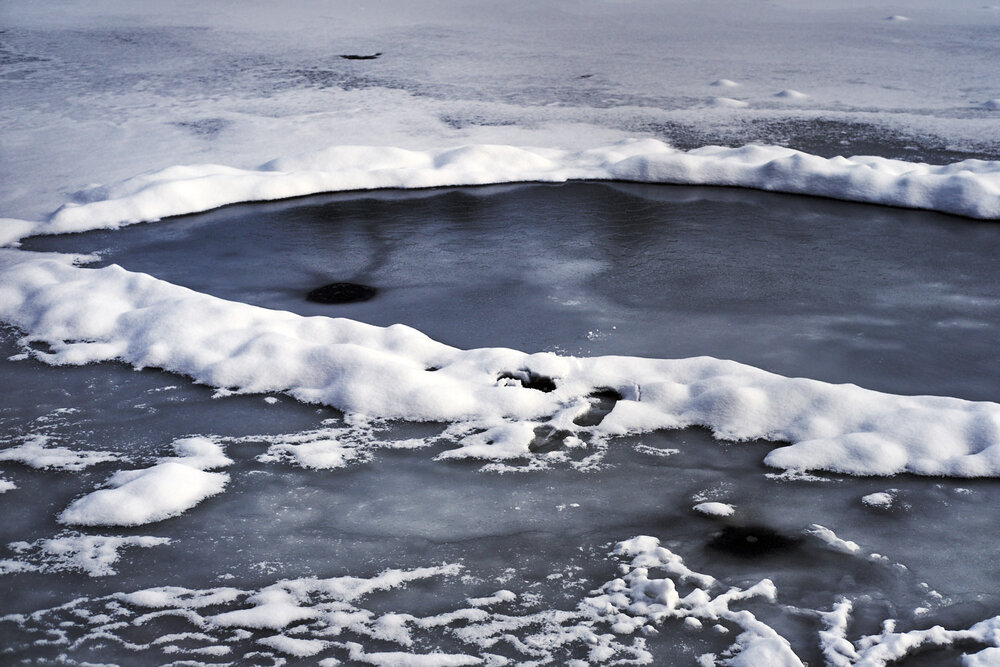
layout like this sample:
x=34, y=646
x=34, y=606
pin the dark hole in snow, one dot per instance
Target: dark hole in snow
x=547, y=439
x=530, y=380
x=39, y=346
x=752, y=541
x=602, y=401
x=431, y=369
x=352, y=56
x=341, y=293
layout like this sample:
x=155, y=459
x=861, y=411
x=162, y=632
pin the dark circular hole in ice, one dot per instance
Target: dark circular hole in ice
x=341, y=293
x=752, y=541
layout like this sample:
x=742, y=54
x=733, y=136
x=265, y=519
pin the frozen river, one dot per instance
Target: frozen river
x=600, y=410
x=895, y=300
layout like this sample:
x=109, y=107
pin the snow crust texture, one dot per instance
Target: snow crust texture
x=329, y=621
x=499, y=399
x=969, y=188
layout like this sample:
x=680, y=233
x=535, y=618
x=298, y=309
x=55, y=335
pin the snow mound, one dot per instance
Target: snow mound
x=880, y=500
x=92, y=315
x=715, y=509
x=724, y=83
x=168, y=489
x=728, y=103
x=790, y=94
x=970, y=188
x=897, y=17
x=992, y=105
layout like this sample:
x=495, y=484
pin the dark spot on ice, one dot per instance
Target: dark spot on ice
x=530, y=380
x=431, y=369
x=352, y=56
x=586, y=76
x=603, y=400
x=752, y=541
x=341, y=293
x=204, y=127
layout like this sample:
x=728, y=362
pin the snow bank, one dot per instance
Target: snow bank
x=165, y=490
x=91, y=315
x=969, y=188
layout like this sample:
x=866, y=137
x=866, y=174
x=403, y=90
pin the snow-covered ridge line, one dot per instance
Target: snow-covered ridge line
x=90, y=315
x=970, y=188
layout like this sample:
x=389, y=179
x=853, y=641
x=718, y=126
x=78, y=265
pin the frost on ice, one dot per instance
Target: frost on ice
x=330, y=620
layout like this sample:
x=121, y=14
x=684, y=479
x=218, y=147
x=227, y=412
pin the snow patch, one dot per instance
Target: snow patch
x=168, y=489
x=728, y=103
x=94, y=555
x=715, y=509
x=831, y=540
x=34, y=453
x=880, y=500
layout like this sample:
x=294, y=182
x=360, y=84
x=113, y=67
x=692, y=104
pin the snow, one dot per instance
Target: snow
x=168, y=489
x=970, y=188
x=95, y=555
x=791, y=94
x=300, y=648
x=879, y=499
x=100, y=92
x=715, y=509
x=33, y=452
x=89, y=315
x=830, y=538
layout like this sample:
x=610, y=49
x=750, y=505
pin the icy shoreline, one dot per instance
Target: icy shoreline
x=970, y=188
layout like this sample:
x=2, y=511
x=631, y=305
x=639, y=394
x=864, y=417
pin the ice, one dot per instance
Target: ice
x=387, y=535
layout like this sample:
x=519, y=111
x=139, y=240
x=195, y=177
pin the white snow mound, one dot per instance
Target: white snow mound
x=168, y=489
x=91, y=315
x=969, y=188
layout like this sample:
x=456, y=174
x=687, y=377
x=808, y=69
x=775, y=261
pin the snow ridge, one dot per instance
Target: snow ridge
x=969, y=188
x=91, y=315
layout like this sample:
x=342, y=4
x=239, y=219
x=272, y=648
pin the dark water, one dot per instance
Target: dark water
x=896, y=300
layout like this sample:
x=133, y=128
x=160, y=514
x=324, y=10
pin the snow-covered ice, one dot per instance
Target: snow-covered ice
x=365, y=519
